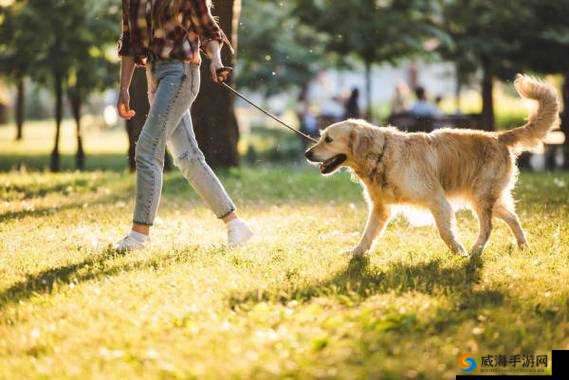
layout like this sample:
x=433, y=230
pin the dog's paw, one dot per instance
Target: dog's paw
x=356, y=251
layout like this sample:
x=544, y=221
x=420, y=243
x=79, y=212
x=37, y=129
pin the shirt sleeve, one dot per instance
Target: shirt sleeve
x=204, y=22
x=124, y=42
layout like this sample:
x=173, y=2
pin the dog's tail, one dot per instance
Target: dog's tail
x=541, y=122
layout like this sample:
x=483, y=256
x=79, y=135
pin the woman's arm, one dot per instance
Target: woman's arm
x=213, y=49
x=127, y=66
x=210, y=32
x=123, y=104
x=203, y=21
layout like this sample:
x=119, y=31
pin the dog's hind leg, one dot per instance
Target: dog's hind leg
x=444, y=217
x=484, y=209
x=378, y=218
x=509, y=216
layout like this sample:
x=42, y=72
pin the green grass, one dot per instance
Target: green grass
x=290, y=304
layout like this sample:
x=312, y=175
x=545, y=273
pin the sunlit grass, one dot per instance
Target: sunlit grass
x=290, y=304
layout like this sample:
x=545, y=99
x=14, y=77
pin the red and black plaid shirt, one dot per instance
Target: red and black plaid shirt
x=168, y=35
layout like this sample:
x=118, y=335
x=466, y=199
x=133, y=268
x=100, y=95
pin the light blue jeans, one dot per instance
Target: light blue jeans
x=172, y=88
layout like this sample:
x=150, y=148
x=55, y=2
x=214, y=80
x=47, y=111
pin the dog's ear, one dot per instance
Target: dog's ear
x=366, y=145
x=361, y=140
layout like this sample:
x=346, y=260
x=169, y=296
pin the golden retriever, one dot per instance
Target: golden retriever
x=431, y=171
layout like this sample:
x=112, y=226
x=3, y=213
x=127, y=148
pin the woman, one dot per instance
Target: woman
x=165, y=36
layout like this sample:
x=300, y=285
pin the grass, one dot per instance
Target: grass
x=289, y=305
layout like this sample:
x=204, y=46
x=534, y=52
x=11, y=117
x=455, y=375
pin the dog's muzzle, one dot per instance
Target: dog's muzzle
x=329, y=165
x=309, y=155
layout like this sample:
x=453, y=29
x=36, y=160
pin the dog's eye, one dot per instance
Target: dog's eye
x=328, y=140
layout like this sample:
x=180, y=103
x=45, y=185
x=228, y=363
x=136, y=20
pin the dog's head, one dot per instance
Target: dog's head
x=349, y=143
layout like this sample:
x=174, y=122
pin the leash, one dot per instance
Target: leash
x=223, y=74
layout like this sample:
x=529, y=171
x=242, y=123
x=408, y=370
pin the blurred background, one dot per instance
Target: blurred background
x=417, y=64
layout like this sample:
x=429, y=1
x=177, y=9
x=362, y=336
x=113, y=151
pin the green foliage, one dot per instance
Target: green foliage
x=19, y=42
x=266, y=144
x=70, y=39
x=373, y=31
x=276, y=51
x=93, y=66
x=545, y=46
x=75, y=36
x=505, y=37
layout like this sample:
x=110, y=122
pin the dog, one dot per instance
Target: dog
x=433, y=171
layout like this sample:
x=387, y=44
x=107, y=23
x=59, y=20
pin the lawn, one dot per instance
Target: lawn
x=290, y=304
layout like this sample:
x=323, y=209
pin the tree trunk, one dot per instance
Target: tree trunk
x=55, y=164
x=565, y=121
x=213, y=115
x=139, y=102
x=369, y=97
x=76, y=105
x=488, y=117
x=20, y=99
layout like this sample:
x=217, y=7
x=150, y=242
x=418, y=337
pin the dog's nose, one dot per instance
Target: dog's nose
x=309, y=155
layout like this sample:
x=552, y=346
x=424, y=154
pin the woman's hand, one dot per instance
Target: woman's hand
x=123, y=105
x=216, y=75
x=213, y=49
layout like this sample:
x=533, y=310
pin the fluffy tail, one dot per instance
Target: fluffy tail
x=541, y=122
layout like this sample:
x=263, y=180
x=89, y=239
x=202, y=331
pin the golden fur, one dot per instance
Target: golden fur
x=431, y=170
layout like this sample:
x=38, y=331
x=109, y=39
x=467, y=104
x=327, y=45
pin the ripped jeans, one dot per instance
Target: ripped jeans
x=172, y=88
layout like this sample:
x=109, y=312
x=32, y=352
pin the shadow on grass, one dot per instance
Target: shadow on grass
x=38, y=162
x=361, y=281
x=45, y=211
x=69, y=186
x=94, y=267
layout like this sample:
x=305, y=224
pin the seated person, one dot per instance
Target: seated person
x=422, y=107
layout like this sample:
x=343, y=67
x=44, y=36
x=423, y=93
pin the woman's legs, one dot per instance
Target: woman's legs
x=191, y=162
x=171, y=92
x=173, y=96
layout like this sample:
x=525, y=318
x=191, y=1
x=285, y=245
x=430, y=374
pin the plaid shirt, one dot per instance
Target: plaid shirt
x=174, y=36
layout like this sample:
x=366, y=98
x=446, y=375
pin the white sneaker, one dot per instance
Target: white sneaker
x=238, y=233
x=133, y=241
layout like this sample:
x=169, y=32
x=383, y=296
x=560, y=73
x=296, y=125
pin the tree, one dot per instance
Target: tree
x=213, y=114
x=18, y=45
x=90, y=69
x=545, y=49
x=374, y=31
x=489, y=40
x=280, y=51
x=58, y=22
x=71, y=58
x=139, y=102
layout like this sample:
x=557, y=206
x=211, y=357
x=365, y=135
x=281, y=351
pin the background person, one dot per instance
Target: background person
x=352, y=105
x=422, y=107
x=399, y=103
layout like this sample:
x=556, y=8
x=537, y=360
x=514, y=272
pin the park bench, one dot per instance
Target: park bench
x=410, y=123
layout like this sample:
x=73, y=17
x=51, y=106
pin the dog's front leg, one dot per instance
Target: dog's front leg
x=377, y=220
